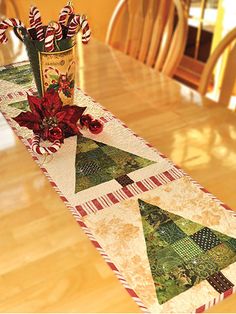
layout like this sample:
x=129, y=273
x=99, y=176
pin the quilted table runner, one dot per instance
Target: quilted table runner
x=170, y=243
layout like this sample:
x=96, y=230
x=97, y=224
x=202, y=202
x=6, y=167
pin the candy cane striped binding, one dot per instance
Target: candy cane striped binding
x=44, y=150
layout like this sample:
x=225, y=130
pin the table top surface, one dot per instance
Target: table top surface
x=44, y=267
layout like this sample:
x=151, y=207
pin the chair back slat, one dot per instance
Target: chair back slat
x=136, y=22
x=117, y=29
x=166, y=39
x=229, y=73
x=157, y=32
x=147, y=31
x=177, y=47
x=229, y=78
x=150, y=31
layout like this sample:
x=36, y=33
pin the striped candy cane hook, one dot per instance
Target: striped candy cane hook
x=36, y=22
x=81, y=21
x=49, y=38
x=35, y=145
x=5, y=24
x=66, y=12
x=58, y=30
x=54, y=31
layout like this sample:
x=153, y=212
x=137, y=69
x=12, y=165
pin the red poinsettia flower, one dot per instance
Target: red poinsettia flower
x=49, y=118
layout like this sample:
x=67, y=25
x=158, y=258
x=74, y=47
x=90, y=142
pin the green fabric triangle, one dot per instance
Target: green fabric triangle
x=97, y=163
x=181, y=252
x=21, y=105
x=21, y=75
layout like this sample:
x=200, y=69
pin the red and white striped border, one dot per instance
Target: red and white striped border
x=11, y=96
x=128, y=191
x=216, y=300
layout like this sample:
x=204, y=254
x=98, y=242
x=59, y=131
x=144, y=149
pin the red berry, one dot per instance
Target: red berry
x=95, y=126
x=85, y=120
x=55, y=133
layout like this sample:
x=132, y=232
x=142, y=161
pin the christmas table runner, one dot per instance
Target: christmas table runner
x=170, y=243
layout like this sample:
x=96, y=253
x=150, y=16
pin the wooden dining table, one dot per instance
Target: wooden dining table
x=47, y=263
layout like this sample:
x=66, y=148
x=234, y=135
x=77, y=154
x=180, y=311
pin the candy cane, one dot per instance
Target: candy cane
x=4, y=25
x=58, y=30
x=66, y=11
x=49, y=38
x=35, y=145
x=36, y=22
x=83, y=23
x=54, y=31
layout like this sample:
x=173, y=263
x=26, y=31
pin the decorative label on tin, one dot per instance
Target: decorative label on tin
x=58, y=71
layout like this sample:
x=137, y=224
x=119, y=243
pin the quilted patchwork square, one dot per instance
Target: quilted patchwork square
x=202, y=266
x=170, y=232
x=186, y=248
x=173, y=216
x=153, y=214
x=187, y=226
x=167, y=259
x=127, y=161
x=88, y=168
x=85, y=146
x=205, y=238
x=223, y=255
x=171, y=284
x=232, y=243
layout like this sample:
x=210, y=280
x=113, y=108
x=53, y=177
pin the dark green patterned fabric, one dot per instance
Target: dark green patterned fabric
x=181, y=252
x=97, y=163
x=21, y=75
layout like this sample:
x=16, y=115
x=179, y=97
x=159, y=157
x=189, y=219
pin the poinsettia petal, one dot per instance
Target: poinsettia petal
x=73, y=113
x=35, y=105
x=61, y=115
x=69, y=129
x=28, y=120
x=51, y=102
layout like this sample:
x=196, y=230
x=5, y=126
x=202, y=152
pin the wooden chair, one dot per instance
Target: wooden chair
x=229, y=76
x=149, y=31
